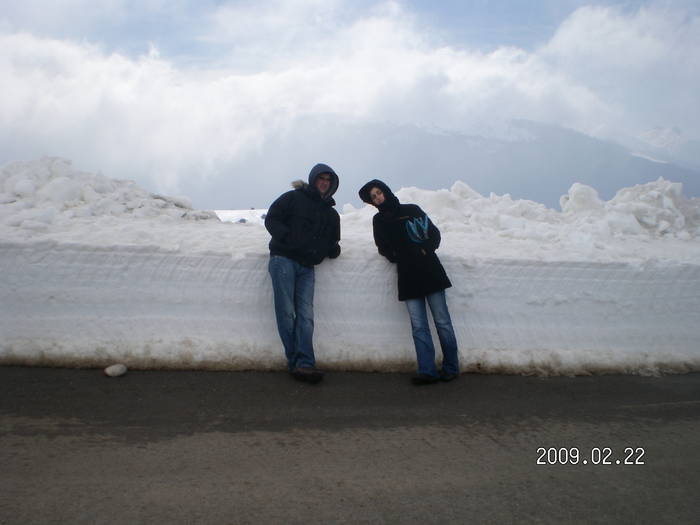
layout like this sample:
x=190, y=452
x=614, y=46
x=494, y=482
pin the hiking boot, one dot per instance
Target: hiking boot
x=424, y=379
x=307, y=374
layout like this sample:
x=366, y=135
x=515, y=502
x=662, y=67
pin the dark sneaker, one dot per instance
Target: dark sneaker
x=307, y=375
x=424, y=379
x=446, y=377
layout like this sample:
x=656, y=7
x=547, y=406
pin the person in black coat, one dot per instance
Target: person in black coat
x=405, y=235
x=305, y=229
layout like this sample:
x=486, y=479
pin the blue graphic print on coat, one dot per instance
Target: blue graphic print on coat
x=417, y=229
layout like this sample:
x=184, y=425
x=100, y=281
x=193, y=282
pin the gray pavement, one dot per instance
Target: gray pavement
x=255, y=447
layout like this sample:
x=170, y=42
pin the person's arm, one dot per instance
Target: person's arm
x=334, y=250
x=275, y=220
x=433, y=242
x=383, y=245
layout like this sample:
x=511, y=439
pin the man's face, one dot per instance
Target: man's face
x=323, y=183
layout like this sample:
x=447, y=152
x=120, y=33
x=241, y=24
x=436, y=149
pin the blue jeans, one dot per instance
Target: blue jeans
x=425, y=351
x=293, y=288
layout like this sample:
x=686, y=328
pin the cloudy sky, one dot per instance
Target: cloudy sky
x=181, y=95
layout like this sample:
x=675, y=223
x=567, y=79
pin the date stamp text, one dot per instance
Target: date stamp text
x=590, y=456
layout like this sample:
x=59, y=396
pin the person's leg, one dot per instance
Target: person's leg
x=425, y=351
x=446, y=333
x=304, y=325
x=282, y=272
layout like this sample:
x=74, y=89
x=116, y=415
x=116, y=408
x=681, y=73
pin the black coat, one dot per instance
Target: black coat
x=405, y=235
x=303, y=224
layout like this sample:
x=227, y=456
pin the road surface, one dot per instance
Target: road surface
x=257, y=447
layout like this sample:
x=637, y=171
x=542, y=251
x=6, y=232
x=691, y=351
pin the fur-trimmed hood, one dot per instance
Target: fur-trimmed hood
x=317, y=170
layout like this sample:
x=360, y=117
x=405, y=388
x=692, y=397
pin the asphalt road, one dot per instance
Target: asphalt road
x=253, y=447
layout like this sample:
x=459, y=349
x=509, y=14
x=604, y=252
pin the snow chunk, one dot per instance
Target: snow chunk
x=24, y=188
x=659, y=207
x=115, y=370
x=62, y=191
x=580, y=198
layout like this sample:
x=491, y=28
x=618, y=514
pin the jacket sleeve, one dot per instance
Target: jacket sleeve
x=434, y=237
x=334, y=250
x=275, y=220
x=433, y=241
x=383, y=245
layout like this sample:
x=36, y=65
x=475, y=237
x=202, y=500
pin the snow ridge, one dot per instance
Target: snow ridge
x=96, y=271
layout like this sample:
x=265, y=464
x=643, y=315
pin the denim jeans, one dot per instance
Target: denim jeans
x=425, y=351
x=293, y=288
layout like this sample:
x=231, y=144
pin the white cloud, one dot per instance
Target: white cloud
x=603, y=72
x=646, y=65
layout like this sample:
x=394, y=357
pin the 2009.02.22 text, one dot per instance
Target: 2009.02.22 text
x=592, y=456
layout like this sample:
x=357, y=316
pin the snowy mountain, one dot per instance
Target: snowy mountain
x=669, y=139
x=522, y=158
x=669, y=145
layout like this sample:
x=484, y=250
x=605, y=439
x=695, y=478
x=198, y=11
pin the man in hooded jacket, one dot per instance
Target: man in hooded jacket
x=305, y=229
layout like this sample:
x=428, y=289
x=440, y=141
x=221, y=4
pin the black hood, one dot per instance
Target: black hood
x=390, y=203
x=376, y=183
x=317, y=170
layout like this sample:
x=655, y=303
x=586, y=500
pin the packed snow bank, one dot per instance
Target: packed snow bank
x=96, y=271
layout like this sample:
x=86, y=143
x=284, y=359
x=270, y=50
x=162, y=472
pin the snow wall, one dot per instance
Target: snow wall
x=89, y=278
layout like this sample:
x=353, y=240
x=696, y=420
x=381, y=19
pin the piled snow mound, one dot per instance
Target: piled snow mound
x=48, y=200
x=50, y=191
x=657, y=208
x=651, y=221
x=98, y=271
x=654, y=209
